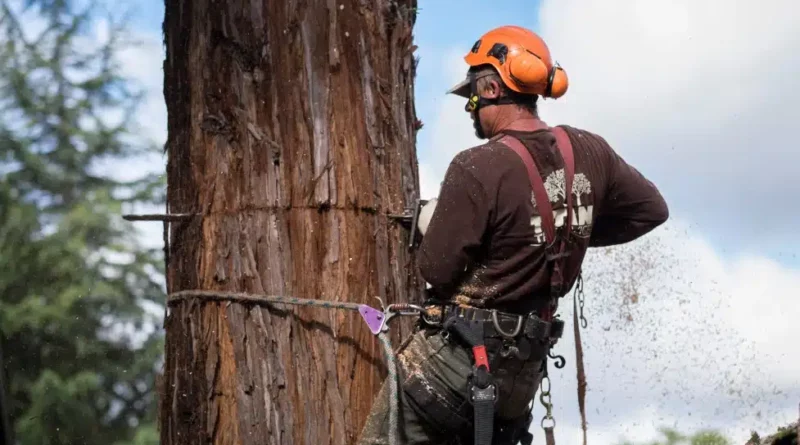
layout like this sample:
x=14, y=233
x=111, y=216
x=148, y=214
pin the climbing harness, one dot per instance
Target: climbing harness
x=520, y=335
x=556, y=252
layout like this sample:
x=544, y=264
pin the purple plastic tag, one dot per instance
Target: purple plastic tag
x=373, y=317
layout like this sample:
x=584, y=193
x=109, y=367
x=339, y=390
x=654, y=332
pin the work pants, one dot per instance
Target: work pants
x=433, y=404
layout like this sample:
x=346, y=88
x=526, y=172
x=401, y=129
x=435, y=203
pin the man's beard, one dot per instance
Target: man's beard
x=477, y=126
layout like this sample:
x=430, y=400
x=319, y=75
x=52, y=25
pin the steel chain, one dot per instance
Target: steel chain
x=579, y=291
x=547, y=402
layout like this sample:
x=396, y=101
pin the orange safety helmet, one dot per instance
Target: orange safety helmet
x=522, y=60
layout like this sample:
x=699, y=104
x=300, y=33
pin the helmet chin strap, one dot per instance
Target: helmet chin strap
x=476, y=102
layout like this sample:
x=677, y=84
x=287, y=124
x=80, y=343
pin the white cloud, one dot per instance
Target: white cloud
x=701, y=94
x=143, y=63
x=428, y=181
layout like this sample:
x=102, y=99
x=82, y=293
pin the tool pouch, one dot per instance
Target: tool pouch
x=431, y=394
x=437, y=405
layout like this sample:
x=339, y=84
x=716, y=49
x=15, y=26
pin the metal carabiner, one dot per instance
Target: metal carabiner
x=560, y=360
x=405, y=309
x=395, y=309
x=500, y=330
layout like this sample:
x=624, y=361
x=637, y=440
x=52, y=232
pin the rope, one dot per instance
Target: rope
x=242, y=297
x=260, y=299
x=579, y=358
x=394, y=400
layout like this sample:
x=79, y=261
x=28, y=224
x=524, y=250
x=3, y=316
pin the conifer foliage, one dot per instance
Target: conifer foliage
x=79, y=298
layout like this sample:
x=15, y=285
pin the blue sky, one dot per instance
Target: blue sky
x=681, y=92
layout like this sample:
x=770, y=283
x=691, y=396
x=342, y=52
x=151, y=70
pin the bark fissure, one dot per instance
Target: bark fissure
x=289, y=132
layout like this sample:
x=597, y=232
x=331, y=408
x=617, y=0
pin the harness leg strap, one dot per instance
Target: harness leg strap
x=483, y=406
x=482, y=391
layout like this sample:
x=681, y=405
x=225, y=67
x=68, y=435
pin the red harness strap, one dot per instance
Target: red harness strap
x=556, y=247
x=481, y=357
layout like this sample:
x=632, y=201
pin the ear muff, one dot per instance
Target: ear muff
x=531, y=73
x=528, y=70
x=558, y=83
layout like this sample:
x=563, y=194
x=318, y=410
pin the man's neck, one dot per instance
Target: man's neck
x=515, y=118
x=526, y=122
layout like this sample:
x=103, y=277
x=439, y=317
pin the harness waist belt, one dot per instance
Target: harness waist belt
x=504, y=324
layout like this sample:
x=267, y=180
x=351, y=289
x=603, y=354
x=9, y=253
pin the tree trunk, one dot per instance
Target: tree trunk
x=292, y=131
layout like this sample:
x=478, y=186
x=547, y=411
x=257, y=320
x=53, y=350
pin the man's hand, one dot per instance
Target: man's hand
x=425, y=215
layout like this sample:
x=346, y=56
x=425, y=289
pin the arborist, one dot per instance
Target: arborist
x=503, y=242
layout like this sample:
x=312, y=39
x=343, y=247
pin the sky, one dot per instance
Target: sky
x=700, y=96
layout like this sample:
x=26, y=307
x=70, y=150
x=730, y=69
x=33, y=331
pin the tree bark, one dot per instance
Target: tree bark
x=291, y=130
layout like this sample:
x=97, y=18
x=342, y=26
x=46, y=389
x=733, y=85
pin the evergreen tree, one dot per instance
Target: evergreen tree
x=74, y=283
x=673, y=437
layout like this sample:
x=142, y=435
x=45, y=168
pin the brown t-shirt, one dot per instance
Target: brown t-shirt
x=484, y=245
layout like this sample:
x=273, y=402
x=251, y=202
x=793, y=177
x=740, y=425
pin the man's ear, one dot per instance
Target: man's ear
x=492, y=90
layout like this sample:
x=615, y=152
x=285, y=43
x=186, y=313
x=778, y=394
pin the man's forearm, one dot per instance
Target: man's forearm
x=631, y=224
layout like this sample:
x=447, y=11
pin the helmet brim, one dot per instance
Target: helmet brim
x=461, y=89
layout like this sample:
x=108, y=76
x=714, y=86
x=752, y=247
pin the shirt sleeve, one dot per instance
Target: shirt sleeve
x=456, y=229
x=633, y=206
